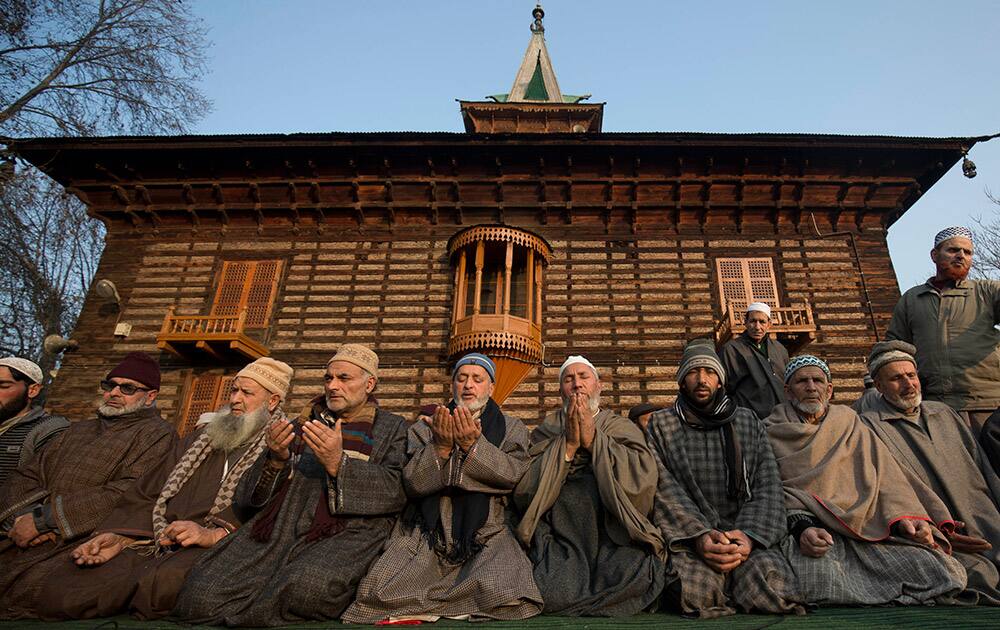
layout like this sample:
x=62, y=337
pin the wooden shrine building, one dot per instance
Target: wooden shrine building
x=531, y=236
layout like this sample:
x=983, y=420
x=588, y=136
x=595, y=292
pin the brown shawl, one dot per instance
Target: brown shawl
x=840, y=472
x=621, y=461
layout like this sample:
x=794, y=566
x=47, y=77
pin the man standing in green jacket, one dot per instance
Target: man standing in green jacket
x=951, y=320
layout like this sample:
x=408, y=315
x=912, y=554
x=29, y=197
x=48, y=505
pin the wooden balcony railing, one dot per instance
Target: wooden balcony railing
x=218, y=336
x=793, y=325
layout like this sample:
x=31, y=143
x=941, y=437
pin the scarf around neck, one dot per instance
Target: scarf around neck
x=719, y=413
x=193, y=457
x=469, y=510
x=324, y=523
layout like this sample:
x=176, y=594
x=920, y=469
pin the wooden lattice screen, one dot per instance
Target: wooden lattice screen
x=206, y=393
x=250, y=284
x=746, y=280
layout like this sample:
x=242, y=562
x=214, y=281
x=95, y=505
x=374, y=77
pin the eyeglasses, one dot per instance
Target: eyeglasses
x=126, y=388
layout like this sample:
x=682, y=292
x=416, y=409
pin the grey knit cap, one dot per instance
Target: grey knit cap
x=888, y=351
x=700, y=353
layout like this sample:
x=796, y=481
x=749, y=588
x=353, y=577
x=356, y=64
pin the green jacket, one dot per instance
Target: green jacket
x=953, y=330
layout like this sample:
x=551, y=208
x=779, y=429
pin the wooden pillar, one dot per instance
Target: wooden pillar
x=529, y=284
x=458, y=312
x=506, y=279
x=479, y=277
x=538, y=294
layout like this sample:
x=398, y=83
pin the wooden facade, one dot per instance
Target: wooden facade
x=530, y=237
x=358, y=228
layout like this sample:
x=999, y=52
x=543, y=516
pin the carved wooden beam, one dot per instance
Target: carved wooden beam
x=106, y=171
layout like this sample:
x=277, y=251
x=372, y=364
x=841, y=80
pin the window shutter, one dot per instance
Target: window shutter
x=260, y=292
x=229, y=296
x=207, y=393
x=746, y=280
x=201, y=399
x=248, y=284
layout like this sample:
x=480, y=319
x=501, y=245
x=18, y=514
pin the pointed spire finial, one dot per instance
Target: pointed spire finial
x=538, y=14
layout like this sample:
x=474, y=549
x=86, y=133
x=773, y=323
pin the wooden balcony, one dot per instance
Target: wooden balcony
x=792, y=325
x=222, y=338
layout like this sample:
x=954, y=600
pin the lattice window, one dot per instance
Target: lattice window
x=746, y=280
x=206, y=393
x=250, y=285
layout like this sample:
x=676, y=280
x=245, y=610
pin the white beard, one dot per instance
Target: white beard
x=227, y=431
x=594, y=404
x=810, y=408
x=113, y=412
x=473, y=406
x=905, y=404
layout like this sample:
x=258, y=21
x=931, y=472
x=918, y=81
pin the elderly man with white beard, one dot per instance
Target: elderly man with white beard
x=325, y=494
x=586, y=502
x=934, y=442
x=163, y=525
x=452, y=554
x=77, y=480
x=864, y=530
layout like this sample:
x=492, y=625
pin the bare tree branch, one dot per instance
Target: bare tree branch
x=78, y=67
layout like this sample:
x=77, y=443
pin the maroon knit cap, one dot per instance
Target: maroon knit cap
x=138, y=366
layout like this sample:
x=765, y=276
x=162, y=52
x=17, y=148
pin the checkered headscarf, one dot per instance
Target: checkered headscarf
x=805, y=360
x=952, y=232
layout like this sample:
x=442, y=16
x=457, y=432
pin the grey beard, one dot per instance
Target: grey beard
x=904, y=404
x=227, y=431
x=595, y=404
x=476, y=405
x=810, y=409
x=113, y=412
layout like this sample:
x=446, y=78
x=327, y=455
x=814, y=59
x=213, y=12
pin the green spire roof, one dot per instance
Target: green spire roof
x=536, y=87
x=536, y=79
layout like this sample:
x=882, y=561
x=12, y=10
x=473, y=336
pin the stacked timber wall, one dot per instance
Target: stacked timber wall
x=626, y=297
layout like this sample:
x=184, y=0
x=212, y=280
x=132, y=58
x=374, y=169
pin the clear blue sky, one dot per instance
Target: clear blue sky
x=915, y=67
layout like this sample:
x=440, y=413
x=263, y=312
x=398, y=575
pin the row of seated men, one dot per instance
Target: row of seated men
x=350, y=512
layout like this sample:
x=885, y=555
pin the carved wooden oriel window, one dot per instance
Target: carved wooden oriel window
x=746, y=280
x=250, y=285
x=205, y=393
x=498, y=299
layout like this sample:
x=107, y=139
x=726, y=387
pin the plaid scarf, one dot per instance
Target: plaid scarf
x=719, y=413
x=191, y=460
x=358, y=443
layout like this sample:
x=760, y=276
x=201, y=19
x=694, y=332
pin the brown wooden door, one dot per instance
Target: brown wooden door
x=205, y=393
x=250, y=285
x=746, y=280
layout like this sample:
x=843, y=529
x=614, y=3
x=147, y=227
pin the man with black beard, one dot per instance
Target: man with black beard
x=65, y=492
x=719, y=502
x=951, y=320
x=25, y=428
x=164, y=524
x=932, y=440
x=586, y=502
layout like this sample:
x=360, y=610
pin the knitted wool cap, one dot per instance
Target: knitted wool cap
x=274, y=376
x=700, y=353
x=483, y=361
x=140, y=367
x=952, y=232
x=24, y=366
x=806, y=360
x=576, y=358
x=359, y=355
x=888, y=351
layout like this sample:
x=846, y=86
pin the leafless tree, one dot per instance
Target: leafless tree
x=986, y=262
x=78, y=67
